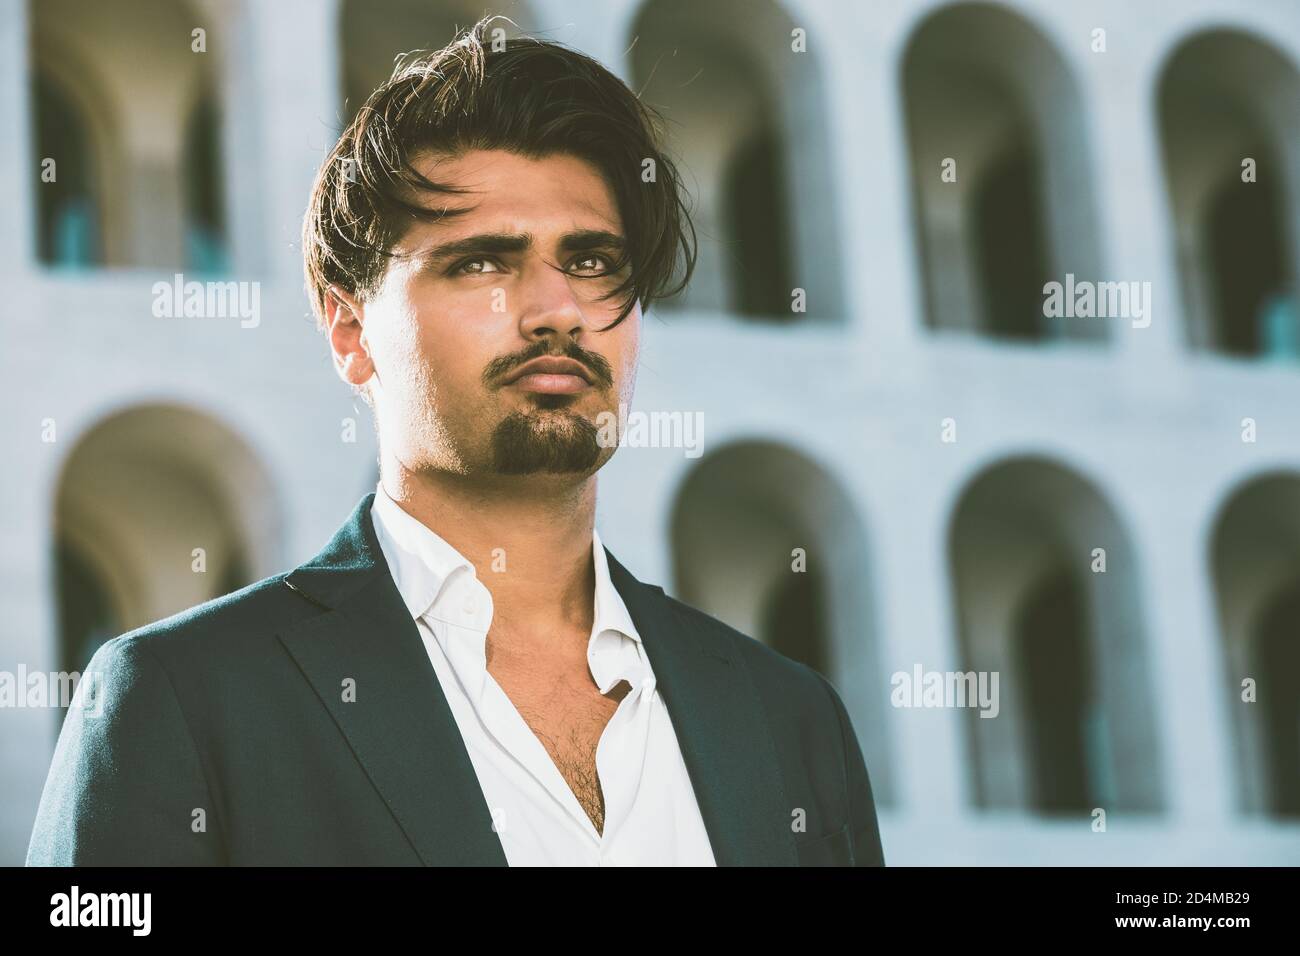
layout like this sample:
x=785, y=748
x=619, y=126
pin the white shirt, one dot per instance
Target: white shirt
x=651, y=814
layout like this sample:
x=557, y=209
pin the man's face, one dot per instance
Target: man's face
x=468, y=301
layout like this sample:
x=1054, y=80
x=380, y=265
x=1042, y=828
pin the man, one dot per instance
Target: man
x=465, y=675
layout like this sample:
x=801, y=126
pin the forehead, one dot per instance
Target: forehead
x=512, y=193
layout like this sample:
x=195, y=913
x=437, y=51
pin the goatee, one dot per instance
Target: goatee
x=524, y=444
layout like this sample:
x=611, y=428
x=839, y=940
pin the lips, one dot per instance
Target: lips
x=552, y=375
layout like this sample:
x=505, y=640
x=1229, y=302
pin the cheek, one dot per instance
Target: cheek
x=455, y=344
x=400, y=348
x=399, y=351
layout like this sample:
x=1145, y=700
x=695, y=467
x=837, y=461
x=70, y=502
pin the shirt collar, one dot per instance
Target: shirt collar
x=611, y=613
x=421, y=562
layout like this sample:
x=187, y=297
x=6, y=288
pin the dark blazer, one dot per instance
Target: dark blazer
x=221, y=736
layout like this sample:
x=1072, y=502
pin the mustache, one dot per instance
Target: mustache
x=601, y=372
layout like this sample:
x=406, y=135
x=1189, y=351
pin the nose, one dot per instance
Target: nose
x=549, y=306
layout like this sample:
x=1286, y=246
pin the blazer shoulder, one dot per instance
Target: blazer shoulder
x=255, y=612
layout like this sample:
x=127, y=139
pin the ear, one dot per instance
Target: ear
x=345, y=317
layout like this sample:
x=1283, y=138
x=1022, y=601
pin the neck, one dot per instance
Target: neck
x=529, y=539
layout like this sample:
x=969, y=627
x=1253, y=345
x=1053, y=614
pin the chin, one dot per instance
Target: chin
x=559, y=441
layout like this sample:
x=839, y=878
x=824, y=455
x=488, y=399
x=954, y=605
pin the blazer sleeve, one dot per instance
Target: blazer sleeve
x=867, y=849
x=126, y=786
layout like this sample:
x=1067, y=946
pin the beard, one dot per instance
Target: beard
x=558, y=443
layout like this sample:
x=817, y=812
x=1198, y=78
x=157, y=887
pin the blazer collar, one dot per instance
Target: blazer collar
x=366, y=640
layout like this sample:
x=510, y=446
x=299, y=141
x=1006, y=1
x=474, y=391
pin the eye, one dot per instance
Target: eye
x=476, y=266
x=601, y=264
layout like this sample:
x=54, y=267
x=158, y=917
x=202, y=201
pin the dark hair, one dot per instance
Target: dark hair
x=529, y=96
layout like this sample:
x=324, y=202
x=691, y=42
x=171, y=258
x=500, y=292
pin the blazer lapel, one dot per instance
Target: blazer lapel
x=399, y=726
x=721, y=729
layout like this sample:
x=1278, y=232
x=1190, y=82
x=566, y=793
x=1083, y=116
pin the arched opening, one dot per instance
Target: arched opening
x=1010, y=258
x=1046, y=593
x=1277, y=655
x=767, y=541
x=69, y=214
x=794, y=620
x=159, y=508
x=1053, y=665
x=1255, y=555
x=1002, y=193
x=759, y=257
x=746, y=123
x=374, y=33
x=1231, y=144
x=205, y=201
x=126, y=81
x=87, y=616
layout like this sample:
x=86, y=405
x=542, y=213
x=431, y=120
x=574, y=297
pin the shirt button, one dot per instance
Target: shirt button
x=470, y=606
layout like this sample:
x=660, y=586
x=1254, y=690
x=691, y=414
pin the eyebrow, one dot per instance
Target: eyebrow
x=503, y=242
